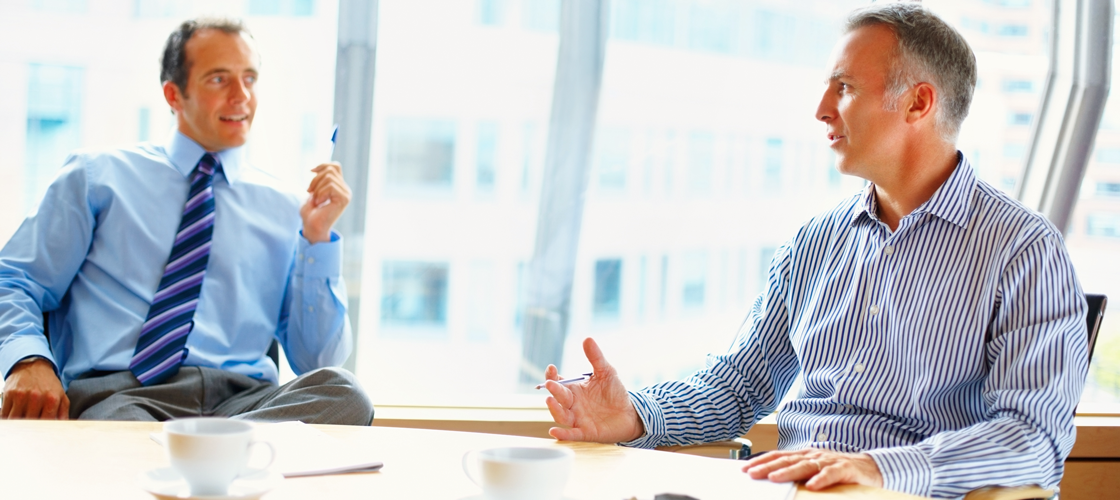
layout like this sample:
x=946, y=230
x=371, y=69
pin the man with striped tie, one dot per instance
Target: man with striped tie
x=936, y=323
x=168, y=270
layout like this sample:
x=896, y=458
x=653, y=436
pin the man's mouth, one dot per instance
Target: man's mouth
x=834, y=137
x=234, y=118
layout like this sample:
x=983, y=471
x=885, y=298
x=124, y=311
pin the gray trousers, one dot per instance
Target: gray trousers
x=323, y=396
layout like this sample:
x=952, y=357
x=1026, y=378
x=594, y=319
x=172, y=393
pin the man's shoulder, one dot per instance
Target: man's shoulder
x=995, y=210
x=837, y=218
x=107, y=162
x=267, y=184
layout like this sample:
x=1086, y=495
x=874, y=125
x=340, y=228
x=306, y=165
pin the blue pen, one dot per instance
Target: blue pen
x=569, y=380
x=334, y=140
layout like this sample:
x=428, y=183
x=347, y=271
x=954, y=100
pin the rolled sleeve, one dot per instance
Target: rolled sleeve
x=653, y=420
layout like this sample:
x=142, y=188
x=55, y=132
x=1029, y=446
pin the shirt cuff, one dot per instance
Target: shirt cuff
x=19, y=348
x=653, y=419
x=905, y=469
x=320, y=260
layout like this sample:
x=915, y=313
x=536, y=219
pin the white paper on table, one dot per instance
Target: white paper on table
x=698, y=477
x=302, y=450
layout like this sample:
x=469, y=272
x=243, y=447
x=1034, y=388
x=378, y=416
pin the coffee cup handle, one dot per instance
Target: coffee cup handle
x=271, y=456
x=468, y=459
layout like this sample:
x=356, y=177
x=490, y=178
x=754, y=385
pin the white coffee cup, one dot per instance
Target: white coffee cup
x=520, y=473
x=211, y=452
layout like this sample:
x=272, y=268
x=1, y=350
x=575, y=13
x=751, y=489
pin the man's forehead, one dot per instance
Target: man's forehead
x=217, y=45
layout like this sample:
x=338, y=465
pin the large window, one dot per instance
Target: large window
x=1093, y=238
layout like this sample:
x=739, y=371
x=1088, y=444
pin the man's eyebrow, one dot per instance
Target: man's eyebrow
x=224, y=70
x=837, y=75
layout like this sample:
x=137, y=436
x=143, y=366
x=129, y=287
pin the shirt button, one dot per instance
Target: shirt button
x=311, y=260
x=310, y=309
x=889, y=250
x=873, y=310
x=848, y=407
x=822, y=436
x=858, y=368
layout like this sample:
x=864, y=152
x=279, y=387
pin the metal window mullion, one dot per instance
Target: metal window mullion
x=575, y=101
x=1077, y=87
x=353, y=112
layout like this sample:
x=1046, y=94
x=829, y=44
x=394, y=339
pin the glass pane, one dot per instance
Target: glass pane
x=708, y=157
x=461, y=112
x=1093, y=238
x=64, y=85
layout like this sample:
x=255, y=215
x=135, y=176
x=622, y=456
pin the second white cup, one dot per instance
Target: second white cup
x=211, y=452
x=520, y=473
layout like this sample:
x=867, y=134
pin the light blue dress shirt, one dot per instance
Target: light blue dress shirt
x=93, y=253
x=952, y=350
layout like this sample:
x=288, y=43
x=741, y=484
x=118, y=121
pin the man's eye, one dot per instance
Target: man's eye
x=218, y=79
x=251, y=79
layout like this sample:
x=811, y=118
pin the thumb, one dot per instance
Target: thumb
x=594, y=355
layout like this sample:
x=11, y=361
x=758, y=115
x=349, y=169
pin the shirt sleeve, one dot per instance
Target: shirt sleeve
x=1038, y=361
x=314, y=328
x=39, y=262
x=735, y=389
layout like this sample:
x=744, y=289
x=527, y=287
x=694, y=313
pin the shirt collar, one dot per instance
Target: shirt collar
x=185, y=153
x=951, y=201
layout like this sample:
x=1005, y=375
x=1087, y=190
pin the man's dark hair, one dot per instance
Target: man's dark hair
x=174, y=66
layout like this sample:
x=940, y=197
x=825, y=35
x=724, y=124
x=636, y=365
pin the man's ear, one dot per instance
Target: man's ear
x=173, y=96
x=922, y=99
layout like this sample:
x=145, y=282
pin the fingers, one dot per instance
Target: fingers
x=559, y=413
x=7, y=407
x=34, y=406
x=551, y=373
x=18, y=405
x=784, y=466
x=64, y=408
x=562, y=395
x=566, y=434
x=594, y=355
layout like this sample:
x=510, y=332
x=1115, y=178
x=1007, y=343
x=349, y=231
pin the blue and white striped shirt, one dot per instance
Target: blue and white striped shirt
x=953, y=350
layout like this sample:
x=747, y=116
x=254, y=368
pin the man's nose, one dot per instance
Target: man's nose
x=240, y=92
x=826, y=109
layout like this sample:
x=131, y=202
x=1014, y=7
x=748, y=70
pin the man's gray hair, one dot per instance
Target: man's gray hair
x=929, y=50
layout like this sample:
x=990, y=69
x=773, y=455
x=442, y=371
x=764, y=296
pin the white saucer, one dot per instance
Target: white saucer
x=166, y=484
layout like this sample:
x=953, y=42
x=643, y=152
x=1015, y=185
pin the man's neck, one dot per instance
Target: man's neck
x=913, y=183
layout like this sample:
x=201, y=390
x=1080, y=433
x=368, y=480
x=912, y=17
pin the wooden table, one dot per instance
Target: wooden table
x=102, y=460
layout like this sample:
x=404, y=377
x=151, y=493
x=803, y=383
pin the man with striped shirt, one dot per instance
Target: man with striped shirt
x=168, y=269
x=936, y=322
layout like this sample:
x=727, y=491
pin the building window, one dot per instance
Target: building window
x=297, y=8
x=490, y=12
x=143, y=124
x=773, y=172
x=541, y=15
x=53, y=124
x=1108, y=189
x=421, y=153
x=612, y=154
x=608, y=288
x=1014, y=151
x=694, y=277
x=712, y=26
x=61, y=6
x=486, y=155
x=649, y=21
x=765, y=255
x=414, y=293
x=1018, y=119
x=1103, y=224
x=1016, y=30
x=1108, y=155
x=1018, y=86
x=701, y=152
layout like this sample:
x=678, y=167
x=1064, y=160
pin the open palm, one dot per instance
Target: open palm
x=598, y=409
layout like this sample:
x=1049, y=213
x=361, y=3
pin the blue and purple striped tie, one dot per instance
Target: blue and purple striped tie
x=163, y=338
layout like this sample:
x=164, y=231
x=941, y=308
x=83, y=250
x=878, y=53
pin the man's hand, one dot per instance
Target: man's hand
x=598, y=409
x=329, y=197
x=819, y=468
x=33, y=391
